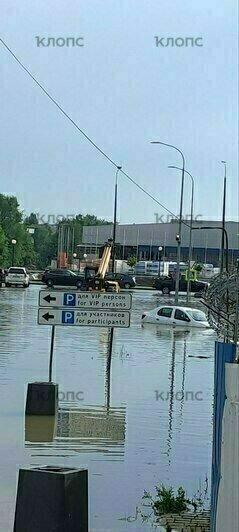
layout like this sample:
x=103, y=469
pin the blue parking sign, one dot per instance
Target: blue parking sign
x=69, y=300
x=68, y=317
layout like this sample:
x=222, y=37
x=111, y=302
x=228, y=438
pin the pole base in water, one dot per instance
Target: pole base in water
x=42, y=399
x=52, y=498
x=40, y=429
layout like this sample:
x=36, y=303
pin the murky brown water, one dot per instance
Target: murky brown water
x=140, y=432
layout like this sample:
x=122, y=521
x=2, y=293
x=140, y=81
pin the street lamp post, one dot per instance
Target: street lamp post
x=225, y=237
x=191, y=225
x=160, y=249
x=74, y=256
x=13, y=250
x=115, y=218
x=223, y=216
x=179, y=236
x=85, y=257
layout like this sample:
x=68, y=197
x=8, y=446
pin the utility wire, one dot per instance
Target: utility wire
x=85, y=135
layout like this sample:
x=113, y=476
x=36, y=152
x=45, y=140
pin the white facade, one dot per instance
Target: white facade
x=228, y=497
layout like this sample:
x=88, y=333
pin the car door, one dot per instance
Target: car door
x=181, y=318
x=68, y=278
x=57, y=276
x=110, y=276
x=119, y=277
x=164, y=315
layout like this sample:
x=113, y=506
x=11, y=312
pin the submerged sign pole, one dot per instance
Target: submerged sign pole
x=51, y=352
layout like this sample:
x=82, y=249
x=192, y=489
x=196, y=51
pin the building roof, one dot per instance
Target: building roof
x=163, y=234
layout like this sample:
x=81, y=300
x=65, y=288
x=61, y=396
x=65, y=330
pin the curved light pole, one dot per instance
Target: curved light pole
x=191, y=225
x=115, y=218
x=225, y=236
x=178, y=237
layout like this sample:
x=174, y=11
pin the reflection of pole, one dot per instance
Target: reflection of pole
x=51, y=352
x=108, y=367
x=171, y=397
x=184, y=374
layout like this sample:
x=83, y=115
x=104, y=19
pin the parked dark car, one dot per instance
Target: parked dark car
x=123, y=279
x=62, y=277
x=167, y=285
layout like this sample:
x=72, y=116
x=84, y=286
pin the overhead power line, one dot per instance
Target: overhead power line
x=102, y=152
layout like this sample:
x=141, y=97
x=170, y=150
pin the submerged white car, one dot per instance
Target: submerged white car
x=176, y=316
x=17, y=276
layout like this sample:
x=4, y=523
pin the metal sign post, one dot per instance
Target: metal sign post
x=51, y=352
x=73, y=308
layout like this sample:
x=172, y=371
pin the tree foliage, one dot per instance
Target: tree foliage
x=13, y=228
x=36, y=243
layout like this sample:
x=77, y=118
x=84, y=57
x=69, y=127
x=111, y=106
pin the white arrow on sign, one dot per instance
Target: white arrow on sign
x=94, y=300
x=84, y=318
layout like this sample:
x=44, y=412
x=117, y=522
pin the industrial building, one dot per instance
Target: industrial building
x=144, y=240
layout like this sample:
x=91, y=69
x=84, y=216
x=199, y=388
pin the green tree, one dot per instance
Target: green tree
x=12, y=227
x=45, y=244
x=31, y=220
x=3, y=248
x=132, y=261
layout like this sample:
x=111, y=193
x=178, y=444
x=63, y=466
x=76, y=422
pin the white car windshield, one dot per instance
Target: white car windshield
x=197, y=315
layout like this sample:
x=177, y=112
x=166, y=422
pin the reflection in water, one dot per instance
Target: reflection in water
x=183, y=380
x=94, y=428
x=171, y=400
x=166, y=441
x=40, y=428
x=180, y=393
x=108, y=367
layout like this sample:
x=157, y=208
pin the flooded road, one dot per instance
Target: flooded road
x=150, y=424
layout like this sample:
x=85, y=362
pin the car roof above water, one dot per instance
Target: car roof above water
x=179, y=308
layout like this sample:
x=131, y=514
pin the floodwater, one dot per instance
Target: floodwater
x=150, y=423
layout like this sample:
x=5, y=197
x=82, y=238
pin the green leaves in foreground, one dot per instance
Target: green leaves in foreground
x=166, y=501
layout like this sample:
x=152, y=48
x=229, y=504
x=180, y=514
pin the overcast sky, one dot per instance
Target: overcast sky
x=124, y=92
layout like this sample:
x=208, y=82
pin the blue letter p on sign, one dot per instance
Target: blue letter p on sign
x=68, y=317
x=69, y=300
